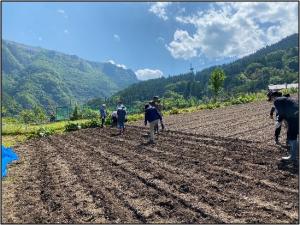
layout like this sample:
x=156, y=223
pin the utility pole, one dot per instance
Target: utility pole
x=192, y=81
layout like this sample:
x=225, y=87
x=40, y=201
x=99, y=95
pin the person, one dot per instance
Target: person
x=121, y=112
x=152, y=116
x=158, y=106
x=102, y=114
x=278, y=123
x=52, y=117
x=120, y=105
x=114, y=118
x=288, y=110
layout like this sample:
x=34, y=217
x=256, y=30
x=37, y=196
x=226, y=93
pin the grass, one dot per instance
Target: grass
x=11, y=140
x=14, y=132
x=19, y=128
x=245, y=98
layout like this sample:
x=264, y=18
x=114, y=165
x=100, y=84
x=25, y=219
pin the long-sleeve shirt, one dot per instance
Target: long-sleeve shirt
x=102, y=112
x=121, y=115
x=286, y=108
x=152, y=114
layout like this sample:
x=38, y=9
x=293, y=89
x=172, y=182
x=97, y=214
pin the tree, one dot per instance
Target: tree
x=76, y=115
x=216, y=81
x=27, y=116
x=3, y=111
x=40, y=114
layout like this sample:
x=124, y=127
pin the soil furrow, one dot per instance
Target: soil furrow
x=148, y=159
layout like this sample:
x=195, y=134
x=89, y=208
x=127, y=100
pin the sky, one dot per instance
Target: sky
x=153, y=39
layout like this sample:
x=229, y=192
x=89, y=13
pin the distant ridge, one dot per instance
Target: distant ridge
x=277, y=63
x=36, y=76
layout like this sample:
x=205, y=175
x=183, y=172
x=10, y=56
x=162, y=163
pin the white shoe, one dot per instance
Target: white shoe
x=286, y=158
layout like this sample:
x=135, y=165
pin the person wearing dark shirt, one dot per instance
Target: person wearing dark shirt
x=121, y=112
x=279, y=121
x=152, y=116
x=156, y=103
x=103, y=113
x=288, y=109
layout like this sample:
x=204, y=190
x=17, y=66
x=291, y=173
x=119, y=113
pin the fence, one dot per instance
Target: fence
x=62, y=113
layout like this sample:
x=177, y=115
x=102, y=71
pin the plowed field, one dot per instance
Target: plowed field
x=215, y=166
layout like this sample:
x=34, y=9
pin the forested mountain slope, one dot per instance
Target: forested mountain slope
x=36, y=76
x=273, y=64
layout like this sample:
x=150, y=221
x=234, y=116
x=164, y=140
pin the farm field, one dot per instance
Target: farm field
x=211, y=166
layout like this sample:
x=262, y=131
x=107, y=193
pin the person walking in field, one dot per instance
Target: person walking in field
x=103, y=114
x=288, y=109
x=152, y=116
x=121, y=112
x=156, y=103
x=278, y=123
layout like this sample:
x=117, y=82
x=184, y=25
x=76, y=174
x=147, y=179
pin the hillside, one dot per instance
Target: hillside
x=49, y=78
x=273, y=64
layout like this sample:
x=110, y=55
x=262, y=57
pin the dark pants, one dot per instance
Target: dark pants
x=277, y=132
x=102, y=121
x=293, y=128
x=114, y=122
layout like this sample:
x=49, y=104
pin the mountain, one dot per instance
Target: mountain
x=36, y=76
x=274, y=64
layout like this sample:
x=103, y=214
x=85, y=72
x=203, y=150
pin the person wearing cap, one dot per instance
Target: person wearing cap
x=156, y=103
x=103, y=114
x=152, y=116
x=120, y=105
x=288, y=109
x=121, y=112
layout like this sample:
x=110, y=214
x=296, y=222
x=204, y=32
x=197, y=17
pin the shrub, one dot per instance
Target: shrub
x=174, y=111
x=89, y=113
x=27, y=116
x=43, y=131
x=91, y=124
x=76, y=114
x=72, y=127
x=135, y=117
x=108, y=120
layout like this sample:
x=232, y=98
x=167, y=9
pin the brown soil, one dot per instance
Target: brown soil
x=213, y=166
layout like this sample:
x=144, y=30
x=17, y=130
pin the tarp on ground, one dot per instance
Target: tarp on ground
x=7, y=156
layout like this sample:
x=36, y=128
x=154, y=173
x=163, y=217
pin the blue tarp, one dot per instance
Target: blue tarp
x=7, y=156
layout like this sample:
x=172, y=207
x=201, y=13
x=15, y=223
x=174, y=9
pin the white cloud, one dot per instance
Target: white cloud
x=234, y=29
x=146, y=74
x=183, y=45
x=159, y=9
x=116, y=37
x=61, y=11
x=118, y=65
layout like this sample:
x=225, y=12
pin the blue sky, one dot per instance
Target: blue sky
x=153, y=39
